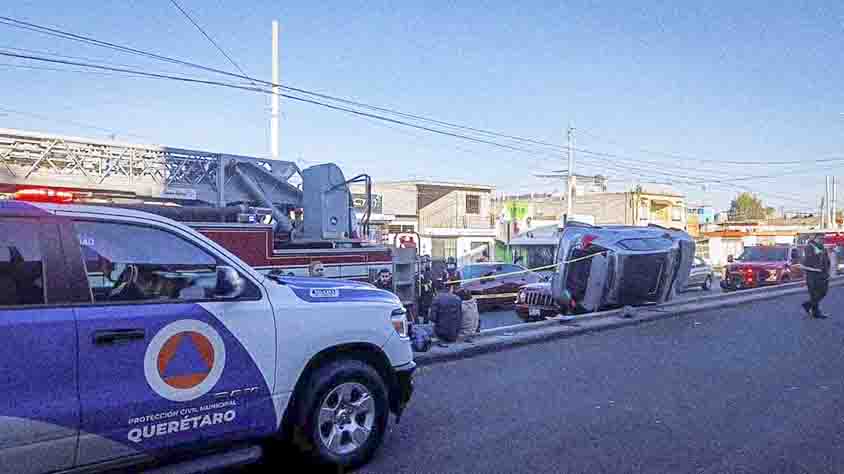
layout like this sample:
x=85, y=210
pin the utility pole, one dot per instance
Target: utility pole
x=834, y=203
x=275, y=96
x=827, y=206
x=570, y=199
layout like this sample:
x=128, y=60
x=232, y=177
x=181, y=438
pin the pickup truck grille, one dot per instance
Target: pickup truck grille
x=536, y=298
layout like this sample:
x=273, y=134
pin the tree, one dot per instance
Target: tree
x=747, y=206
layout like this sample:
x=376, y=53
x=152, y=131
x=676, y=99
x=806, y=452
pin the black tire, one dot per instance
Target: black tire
x=707, y=284
x=320, y=385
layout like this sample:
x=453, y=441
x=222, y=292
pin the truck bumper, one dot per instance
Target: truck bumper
x=402, y=389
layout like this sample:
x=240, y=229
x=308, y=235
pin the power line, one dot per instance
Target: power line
x=258, y=89
x=704, y=160
x=88, y=40
x=331, y=106
x=76, y=37
x=204, y=33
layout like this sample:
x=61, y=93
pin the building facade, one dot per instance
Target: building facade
x=443, y=219
x=633, y=208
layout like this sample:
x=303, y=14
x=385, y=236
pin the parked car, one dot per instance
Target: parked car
x=701, y=275
x=494, y=287
x=131, y=342
x=763, y=265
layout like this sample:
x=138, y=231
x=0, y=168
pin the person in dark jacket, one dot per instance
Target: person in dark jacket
x=451, y=273
x=447, y=314
x=816, y=266
x=426, y=288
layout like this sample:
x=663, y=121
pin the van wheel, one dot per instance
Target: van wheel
x=707, y=284
x=344, y=414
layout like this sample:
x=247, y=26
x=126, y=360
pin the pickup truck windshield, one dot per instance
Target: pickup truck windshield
x=764, y=254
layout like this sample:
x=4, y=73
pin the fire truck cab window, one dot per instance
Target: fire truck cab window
x=21, y=271
x=137, y=263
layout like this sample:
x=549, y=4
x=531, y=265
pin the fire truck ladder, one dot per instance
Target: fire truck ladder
x=182, y=176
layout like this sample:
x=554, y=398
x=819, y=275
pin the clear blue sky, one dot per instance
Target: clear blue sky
x=735, y=81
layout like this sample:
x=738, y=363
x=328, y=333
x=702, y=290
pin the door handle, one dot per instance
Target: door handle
x=117, y=335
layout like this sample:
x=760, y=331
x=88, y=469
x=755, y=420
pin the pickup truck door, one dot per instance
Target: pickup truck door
x=165, y=364
x=39, y=406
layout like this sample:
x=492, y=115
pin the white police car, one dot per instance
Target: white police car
x=128, y=341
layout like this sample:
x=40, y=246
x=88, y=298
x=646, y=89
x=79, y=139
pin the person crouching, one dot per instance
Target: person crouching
x=447, y=314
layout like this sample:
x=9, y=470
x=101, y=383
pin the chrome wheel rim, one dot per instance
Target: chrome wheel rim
x=346, y=418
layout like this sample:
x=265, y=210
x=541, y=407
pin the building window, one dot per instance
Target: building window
x=401, y=229
x=165, y=268
x=21, y=270
x=676, y=213
x=473, y=204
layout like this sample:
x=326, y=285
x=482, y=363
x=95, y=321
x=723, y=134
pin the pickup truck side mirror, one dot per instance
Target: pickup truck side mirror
x=229, y=283
x=730, y=259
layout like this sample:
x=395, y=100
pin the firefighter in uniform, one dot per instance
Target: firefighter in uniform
x=426, y=288
x=451, y=272
x=816, y=266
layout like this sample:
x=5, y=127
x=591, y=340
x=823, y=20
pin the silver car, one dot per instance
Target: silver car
x=701, y=275
x=612, y=266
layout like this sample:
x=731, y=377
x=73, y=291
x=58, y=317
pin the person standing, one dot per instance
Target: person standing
x=816, y=266
x=426, y=288
x=447, y=314
x=451, y=273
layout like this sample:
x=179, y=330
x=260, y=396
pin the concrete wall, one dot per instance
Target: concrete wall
x=449, y=211
x=607, y=208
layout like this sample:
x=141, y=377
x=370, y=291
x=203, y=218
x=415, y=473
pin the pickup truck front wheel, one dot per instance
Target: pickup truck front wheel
x=345, y=412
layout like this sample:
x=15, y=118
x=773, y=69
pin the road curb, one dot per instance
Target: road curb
x=498, y=339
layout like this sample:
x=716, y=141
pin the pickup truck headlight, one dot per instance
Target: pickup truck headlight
x=522, y=296
x=399, y=321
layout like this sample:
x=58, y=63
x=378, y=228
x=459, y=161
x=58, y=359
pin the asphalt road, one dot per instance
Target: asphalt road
x=750, y=389
x=506, y=317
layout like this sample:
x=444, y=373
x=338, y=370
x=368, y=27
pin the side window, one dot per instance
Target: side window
x=511, y=269
x=21, y=267
x=127, y=262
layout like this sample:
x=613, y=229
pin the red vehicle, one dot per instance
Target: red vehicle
x=497, y=284
x=763, y=265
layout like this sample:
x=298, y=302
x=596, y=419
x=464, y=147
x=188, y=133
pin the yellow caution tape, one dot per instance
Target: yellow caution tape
x=495, y=296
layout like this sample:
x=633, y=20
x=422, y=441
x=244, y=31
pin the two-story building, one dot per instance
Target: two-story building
x=451, y=219
x=665, y=208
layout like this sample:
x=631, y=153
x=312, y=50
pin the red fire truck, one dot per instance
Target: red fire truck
x=270, y=213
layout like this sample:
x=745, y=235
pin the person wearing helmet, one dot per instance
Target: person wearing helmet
x=451, y=272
